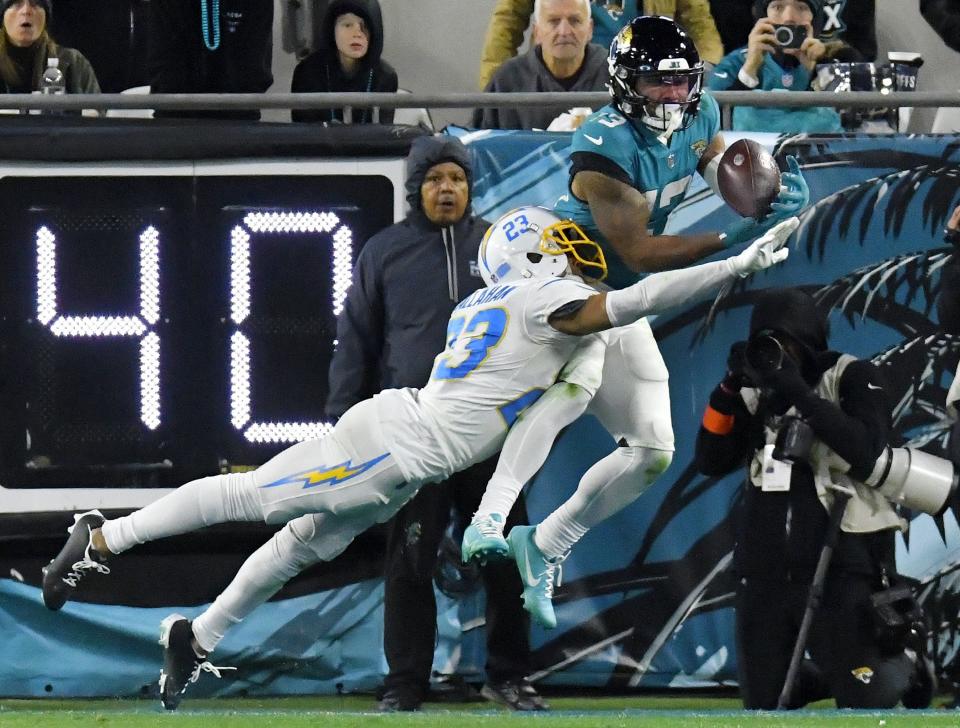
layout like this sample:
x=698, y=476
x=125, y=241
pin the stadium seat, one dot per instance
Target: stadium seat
x=413, y=117
x=947, y=120
x=133, y=113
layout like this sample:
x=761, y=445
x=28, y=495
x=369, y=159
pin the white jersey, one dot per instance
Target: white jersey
x=501, y=355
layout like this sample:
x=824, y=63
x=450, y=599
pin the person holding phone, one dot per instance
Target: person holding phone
x=781, y=54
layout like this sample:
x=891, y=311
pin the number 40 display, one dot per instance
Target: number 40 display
x=142, y=324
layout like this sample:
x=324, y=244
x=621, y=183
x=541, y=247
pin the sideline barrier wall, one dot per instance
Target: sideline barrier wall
x=646, y=600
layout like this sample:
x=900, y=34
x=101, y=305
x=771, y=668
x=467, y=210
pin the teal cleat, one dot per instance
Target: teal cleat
x=483, y=540
x=537, y=574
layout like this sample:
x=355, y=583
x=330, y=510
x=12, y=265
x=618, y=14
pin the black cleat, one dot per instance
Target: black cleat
x=515, y=694
x=399, y=699
x=62, y=575
x=181, y=663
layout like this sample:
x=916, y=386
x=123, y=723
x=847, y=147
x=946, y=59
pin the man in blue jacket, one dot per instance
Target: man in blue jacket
x=406, y=282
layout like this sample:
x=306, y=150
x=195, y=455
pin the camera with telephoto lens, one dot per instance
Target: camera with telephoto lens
x=764, y=353
x=790, y=36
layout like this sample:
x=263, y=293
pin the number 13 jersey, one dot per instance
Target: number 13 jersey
x=632, y=154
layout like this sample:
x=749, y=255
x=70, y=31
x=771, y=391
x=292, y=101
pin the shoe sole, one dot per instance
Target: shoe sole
x=484, y=552
x=172, y=702
x=55, y=592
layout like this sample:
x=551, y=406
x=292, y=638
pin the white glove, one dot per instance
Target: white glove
x=765, y=251
x=570, y=120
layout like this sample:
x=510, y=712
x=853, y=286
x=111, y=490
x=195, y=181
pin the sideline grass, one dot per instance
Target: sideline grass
x=357, y=712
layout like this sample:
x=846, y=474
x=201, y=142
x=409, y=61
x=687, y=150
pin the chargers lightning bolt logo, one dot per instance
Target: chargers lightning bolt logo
x=332, y=475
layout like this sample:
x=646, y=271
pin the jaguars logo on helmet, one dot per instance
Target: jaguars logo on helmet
x=656, y=74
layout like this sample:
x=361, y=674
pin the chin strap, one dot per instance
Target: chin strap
x=670, y=121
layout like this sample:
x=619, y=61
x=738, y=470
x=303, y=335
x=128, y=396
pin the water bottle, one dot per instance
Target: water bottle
x=52, y=80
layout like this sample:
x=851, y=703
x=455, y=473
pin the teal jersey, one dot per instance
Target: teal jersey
x=660, y=171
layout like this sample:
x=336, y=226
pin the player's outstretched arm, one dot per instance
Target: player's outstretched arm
x=662, y=291
x=621, y=212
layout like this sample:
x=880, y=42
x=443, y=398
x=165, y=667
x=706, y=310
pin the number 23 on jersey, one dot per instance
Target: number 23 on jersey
x=469, y=339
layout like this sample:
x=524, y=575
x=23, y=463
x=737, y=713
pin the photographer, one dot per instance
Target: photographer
x=805, y=420
x=781, y=55
x=948, y=313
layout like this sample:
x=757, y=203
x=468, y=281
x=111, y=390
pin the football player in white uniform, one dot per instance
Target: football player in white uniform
x=505, y=346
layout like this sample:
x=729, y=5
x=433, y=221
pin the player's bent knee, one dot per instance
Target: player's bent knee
x=320, y=536
x=647, y=464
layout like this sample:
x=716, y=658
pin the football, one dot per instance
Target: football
x=748, y=178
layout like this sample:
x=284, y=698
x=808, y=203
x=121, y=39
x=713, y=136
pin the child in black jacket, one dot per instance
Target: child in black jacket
x=347, y=61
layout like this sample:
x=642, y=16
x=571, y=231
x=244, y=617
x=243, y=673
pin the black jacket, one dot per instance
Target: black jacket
x=948, y=302
x=780, y=534
x=179, y=61
x=853, y=23
x=406, y=282
x=321, y=71
x=944, y=17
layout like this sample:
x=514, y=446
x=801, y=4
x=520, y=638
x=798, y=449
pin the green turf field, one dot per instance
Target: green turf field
x=358, y=712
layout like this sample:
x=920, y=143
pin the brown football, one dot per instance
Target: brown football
x=748, y=178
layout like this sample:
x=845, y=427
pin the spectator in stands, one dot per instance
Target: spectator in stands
x=231, y=53
x=944, y=17
x=407, y=280
x=511, y=17
x=348, y=60
x=26, y=46
x=562, y=58
x=771, y=65
x=847, y=27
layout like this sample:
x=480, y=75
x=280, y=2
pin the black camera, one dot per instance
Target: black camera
x=794, y=441
x=898, y=619
x=790, y=36
x=764, y=353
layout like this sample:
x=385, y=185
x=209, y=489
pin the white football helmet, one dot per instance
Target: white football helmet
x=532, y=242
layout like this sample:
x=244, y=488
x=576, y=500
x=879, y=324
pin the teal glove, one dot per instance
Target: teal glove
x=794, y=196
x=744, y=230
x=794, y=193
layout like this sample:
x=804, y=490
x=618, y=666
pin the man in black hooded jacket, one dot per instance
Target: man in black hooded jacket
x=406, y=282
x=786, y=371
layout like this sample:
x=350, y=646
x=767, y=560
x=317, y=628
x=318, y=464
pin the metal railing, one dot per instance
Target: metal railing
x=180, y=102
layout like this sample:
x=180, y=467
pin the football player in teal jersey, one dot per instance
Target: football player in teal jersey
x=631, y=163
